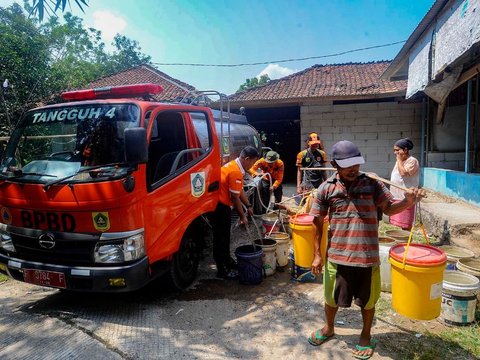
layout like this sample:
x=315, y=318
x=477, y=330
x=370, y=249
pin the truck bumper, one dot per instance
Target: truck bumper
x=121, y=278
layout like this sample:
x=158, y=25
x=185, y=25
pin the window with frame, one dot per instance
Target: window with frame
x=178, y=140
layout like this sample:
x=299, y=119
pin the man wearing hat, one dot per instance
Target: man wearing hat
x=312, y=157
x=272, y=165
x=351, y=271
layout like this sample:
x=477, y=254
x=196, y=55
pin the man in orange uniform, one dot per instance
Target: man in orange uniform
x=231, y=195
x=270, y=164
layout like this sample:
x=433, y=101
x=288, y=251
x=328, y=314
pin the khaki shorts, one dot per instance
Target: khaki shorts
x=342, y=284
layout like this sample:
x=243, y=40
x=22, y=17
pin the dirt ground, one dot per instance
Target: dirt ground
x=213, y=319
x=291, y=310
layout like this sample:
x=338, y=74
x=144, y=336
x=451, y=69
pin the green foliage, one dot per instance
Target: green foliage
x=25, y=63
x=253, y=82
x=126, y=55
x=42, y=60
x=40, y=7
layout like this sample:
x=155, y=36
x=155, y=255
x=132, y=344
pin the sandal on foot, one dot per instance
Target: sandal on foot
x=317, y=339
x=370, y=348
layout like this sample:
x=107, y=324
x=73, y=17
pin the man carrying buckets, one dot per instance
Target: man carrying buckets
x=350, y=199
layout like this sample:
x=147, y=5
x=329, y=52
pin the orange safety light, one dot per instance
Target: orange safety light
x=138, y=90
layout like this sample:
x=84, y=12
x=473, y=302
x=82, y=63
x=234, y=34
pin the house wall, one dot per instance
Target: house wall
x=454, y=31
x=373, y=127
x=457, y=29
x=446, y=160
x=418, y=64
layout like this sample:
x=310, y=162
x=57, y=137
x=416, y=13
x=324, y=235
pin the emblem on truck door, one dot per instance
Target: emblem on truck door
x=46, y=241
x=6, y=216
x=101, y=221
x=197, y=183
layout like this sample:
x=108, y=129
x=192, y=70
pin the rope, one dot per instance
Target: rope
x=410, y=237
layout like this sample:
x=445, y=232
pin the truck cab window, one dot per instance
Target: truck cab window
x=177, y=140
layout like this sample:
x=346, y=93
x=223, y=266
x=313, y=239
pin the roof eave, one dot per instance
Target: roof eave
x=301, y=100
x=402, y=56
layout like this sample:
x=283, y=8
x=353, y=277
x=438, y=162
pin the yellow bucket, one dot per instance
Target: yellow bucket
x=303, y=235
x=417, y=283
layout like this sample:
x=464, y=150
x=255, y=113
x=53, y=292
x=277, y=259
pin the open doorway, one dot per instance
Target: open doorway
x=280, y=130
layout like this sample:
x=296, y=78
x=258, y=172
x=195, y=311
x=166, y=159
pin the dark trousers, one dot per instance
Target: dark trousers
x=221, y=235
x=265, y=193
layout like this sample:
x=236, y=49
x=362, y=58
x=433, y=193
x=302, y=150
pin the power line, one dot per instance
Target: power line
x=281, y=61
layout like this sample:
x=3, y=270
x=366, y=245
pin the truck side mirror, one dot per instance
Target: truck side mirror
x=136, y=149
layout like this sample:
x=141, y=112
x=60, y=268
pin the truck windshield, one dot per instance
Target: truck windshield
x=55, y=142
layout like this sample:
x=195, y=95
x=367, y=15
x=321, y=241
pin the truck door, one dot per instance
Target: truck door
x=182, y=171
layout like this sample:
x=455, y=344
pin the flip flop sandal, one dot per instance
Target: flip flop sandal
x=373, y=344
x=318, y=339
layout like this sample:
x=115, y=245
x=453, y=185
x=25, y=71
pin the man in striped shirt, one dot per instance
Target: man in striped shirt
x=351, y=199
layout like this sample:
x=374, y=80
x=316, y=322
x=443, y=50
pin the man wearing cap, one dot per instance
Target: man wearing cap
x=272, y=165
x=231, y=195
x=351, y=271
x=312, y=157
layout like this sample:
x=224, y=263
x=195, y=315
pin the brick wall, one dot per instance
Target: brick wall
x=446, y=160
x=374, y=127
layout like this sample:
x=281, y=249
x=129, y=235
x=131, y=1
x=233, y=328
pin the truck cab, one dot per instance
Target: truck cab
x=107, y=191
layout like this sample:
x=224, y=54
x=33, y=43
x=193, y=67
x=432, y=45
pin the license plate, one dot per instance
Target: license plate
x=45, y=278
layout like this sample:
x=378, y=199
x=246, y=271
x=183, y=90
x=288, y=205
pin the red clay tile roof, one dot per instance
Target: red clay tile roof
x=172, y=88
x=338, y=81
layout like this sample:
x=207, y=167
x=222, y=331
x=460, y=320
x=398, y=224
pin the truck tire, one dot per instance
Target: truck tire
x=185, y=262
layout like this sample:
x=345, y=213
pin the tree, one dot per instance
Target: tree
x=40, y=7
x=126, y=55
x=39, y=61
x=253, y=82
x=24, y=66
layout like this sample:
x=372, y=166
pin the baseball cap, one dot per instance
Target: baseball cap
x=271, y=157
x=346, y=154
x=313, y=139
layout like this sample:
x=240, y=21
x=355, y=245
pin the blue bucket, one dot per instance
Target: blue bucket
x=250, y=265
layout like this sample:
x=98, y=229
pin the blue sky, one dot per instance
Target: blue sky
x=244, y=31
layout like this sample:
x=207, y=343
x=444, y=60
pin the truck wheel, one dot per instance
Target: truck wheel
x=185, y=263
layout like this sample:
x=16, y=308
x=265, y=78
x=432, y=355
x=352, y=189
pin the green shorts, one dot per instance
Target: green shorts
x=342, y=284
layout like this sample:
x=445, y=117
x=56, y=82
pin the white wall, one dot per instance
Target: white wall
x=373, y=127
x=456, y=30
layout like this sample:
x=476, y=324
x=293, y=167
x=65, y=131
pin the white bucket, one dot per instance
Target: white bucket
x=270, y=223
x=455, y=253
x=269, y=258
x=385, y=266
x=459, y=298
x=472, y=267
x=283, y=245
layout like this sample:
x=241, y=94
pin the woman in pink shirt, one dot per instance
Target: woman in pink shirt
x=406, y=174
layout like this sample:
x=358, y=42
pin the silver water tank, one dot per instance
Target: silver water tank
x=241, y=133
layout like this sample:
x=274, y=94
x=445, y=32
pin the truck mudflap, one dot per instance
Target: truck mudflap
x=120, y=278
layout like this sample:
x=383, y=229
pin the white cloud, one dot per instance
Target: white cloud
x=275, y=71
x=108, y=23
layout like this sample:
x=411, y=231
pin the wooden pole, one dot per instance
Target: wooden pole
x=318, y=168
x=371, y=176
x=375, y=177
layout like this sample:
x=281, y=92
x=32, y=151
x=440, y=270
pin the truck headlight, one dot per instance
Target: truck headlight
x=6, y=242
x=128, y=249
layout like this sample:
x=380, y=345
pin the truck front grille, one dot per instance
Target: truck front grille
x=73, y=250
